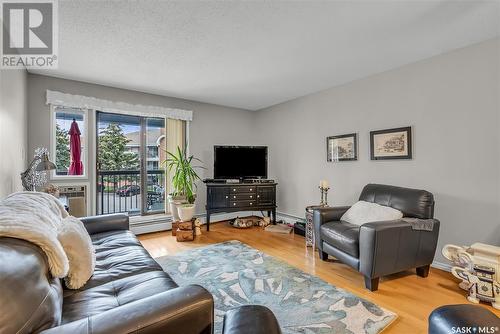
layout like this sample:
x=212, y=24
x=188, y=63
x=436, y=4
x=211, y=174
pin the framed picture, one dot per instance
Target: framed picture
x=342, y=148
x=391, y=144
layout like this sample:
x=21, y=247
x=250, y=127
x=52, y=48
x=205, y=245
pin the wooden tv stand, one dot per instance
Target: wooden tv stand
x=232, y=197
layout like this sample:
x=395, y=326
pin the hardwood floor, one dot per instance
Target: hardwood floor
x=413, y=298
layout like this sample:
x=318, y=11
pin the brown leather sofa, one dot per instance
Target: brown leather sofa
x=128, y=293
x=384, y=247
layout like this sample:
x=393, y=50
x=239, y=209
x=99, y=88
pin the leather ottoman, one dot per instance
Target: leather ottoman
x=250, y=319
x=463, y=319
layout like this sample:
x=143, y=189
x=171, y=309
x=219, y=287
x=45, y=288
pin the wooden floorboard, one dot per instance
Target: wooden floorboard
x=413, y=298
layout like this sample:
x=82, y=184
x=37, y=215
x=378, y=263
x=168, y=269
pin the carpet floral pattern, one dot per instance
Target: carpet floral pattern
x=237, y=274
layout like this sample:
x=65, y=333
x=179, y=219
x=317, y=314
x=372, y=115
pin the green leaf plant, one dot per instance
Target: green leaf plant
x=184, y=174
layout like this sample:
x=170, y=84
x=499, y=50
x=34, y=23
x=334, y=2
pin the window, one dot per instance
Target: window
x=130, y=173
x=69, y=142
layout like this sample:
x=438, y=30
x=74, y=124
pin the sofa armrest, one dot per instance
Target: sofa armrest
x=186, y=310
x=105, y=223
x=387, y=247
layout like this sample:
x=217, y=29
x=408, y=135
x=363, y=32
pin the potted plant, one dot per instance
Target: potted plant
x=184, y=176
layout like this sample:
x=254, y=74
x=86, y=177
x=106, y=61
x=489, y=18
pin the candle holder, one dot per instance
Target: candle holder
x=324, y=195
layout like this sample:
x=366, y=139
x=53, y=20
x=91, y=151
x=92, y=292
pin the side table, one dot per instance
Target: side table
x=309, y=224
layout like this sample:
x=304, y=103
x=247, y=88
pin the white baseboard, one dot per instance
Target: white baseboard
x=150, y=224
x=150, y=227
x=288, y=218
x=442, y=266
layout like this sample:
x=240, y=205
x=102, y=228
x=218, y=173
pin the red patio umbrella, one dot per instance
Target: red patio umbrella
x=75, y=148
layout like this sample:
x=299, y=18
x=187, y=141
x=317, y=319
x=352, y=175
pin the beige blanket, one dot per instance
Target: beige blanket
x=36, y=217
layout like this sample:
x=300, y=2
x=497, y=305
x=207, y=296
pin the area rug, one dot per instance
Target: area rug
x=237, y=274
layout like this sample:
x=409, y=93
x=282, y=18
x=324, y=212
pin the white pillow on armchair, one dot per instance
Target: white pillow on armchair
x=366, y=212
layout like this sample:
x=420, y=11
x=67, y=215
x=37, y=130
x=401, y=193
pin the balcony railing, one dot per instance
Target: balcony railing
x=121, y=191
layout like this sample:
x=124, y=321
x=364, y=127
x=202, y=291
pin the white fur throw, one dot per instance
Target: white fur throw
x=41, y=219
x=78, y=247
x=365, y=212
x=36, y=217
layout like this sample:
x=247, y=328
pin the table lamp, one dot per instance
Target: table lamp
x=35, y=174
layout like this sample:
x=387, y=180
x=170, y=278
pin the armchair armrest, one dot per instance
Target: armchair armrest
x=186, y=310
x=105, y=223
x=324, y=215
x=387, y=247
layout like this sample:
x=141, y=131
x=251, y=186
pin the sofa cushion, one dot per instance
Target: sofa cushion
x=124, y=272
x=118, y=254
x=114, y=239
x=342, y=235
x=92, y=301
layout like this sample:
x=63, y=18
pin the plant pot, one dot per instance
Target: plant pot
x=186, y=212
x=174, y=202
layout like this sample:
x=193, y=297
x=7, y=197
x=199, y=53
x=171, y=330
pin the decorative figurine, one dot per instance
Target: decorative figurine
x=265, y=221
x=480, y=283
x=460, y=259
x=476, y=267
x=476, y=254
x=241, y=223
x=197, y=226
x=52, y=189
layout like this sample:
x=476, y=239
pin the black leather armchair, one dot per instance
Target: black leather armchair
x=381, y=248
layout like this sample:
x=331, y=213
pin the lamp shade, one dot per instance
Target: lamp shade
x=45, y=164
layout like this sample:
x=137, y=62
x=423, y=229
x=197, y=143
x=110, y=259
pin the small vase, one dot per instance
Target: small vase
x=174, y=202
x=186, y=212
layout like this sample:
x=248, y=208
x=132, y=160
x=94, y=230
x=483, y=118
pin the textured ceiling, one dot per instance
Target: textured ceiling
x=255, y=54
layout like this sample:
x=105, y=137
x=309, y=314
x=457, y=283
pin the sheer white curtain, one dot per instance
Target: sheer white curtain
x=176, y=137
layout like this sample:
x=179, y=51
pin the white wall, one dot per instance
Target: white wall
x=13, y=129
x=452, y=103
x=211, y=125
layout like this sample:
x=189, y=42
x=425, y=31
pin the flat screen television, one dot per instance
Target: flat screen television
x=240, y=162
